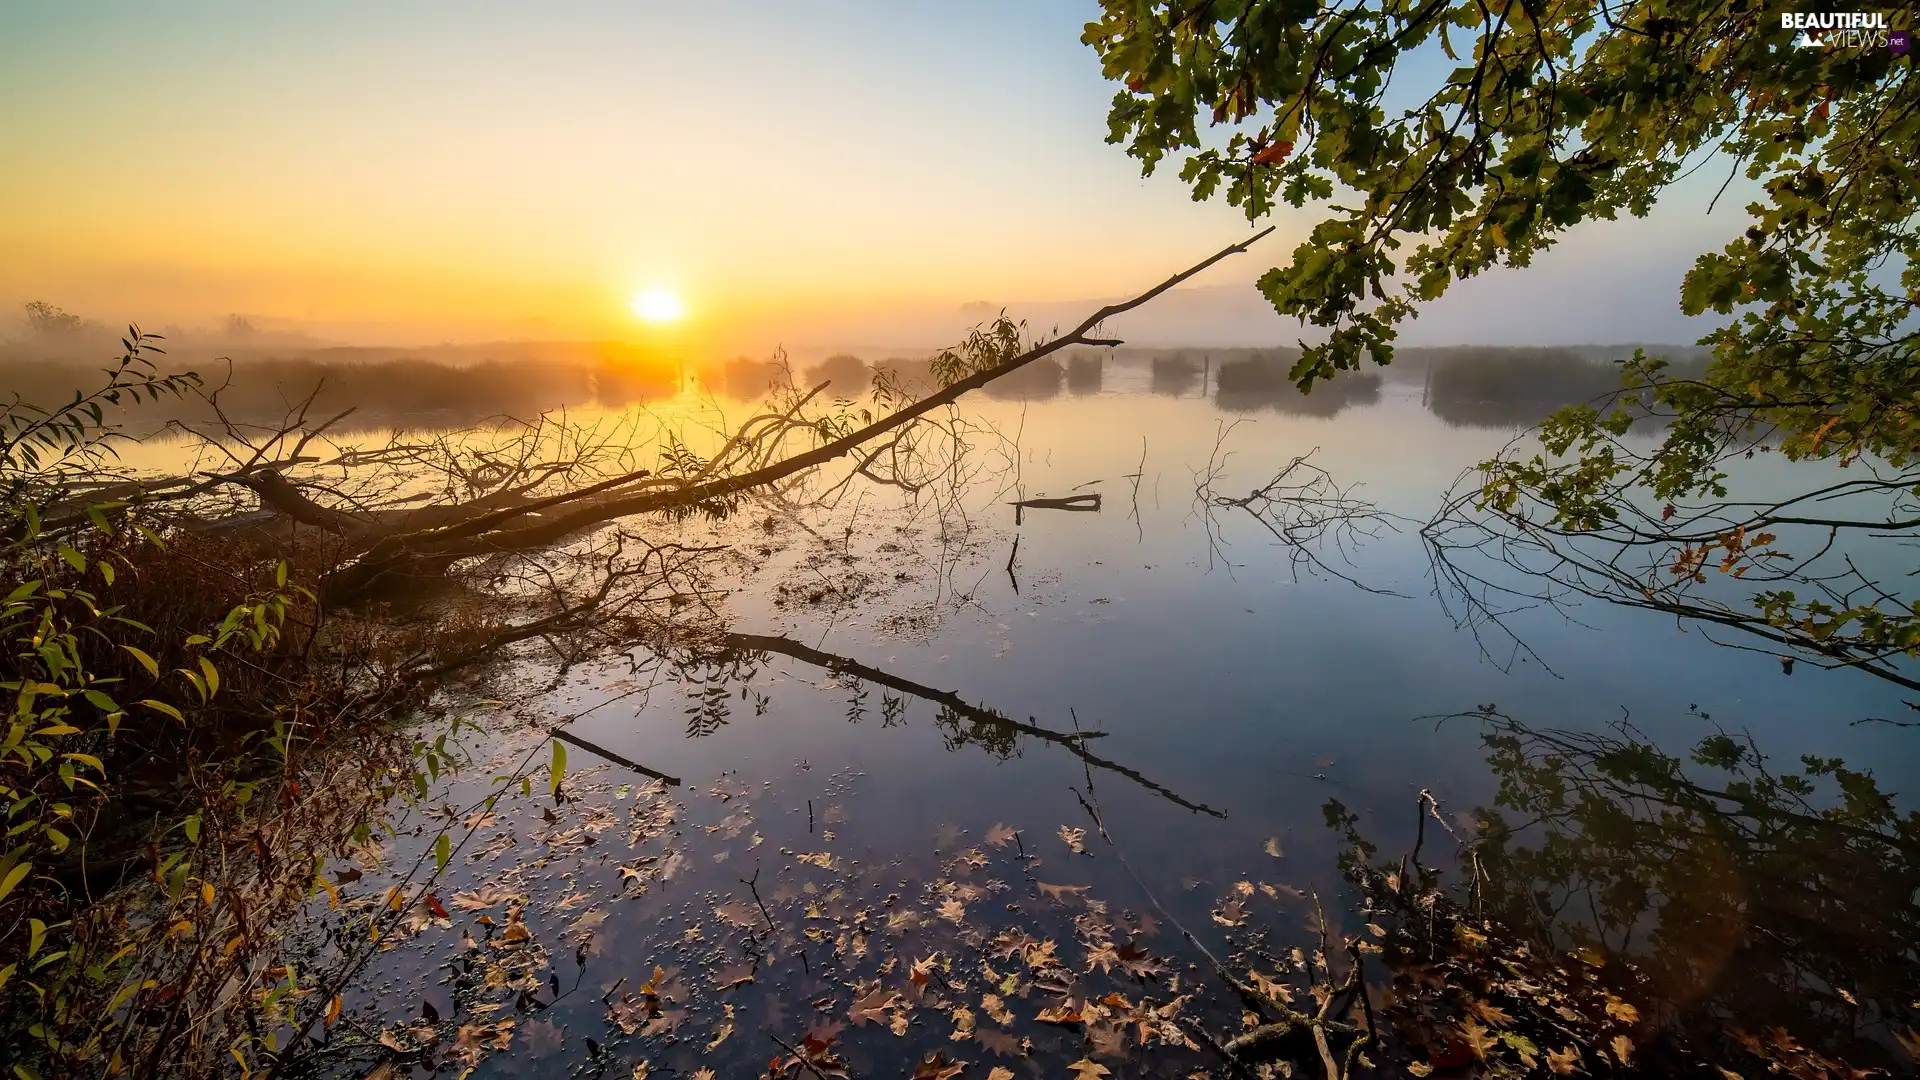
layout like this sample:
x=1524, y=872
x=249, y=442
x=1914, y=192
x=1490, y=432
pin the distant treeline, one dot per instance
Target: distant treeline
x=385, y=387
x=453, y=385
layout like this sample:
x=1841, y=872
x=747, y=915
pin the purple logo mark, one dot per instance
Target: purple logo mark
x=1900, y=42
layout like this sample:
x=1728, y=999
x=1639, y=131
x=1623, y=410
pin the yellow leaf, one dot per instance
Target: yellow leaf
x=14, y=877
x=1478, y=1039
x=146, y=661
x=1622, y=1049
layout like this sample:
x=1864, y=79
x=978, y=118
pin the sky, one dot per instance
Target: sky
x=812, y=173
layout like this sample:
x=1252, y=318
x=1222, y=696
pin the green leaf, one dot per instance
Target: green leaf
x=557, y=768
x=213, y=676
x=192, y=828
x=74, y=559
x=14, y=877
x=146, y=660
x=163, y=707
x=442, y=851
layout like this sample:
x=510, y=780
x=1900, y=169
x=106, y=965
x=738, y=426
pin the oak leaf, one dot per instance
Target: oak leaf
x=936, y=1067
x=872, y=1007
x=1087, y=1069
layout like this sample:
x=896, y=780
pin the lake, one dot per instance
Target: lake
x=911, y=675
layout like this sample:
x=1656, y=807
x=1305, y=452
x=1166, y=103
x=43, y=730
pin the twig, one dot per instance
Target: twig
x=753, y=884
x=797, y=1056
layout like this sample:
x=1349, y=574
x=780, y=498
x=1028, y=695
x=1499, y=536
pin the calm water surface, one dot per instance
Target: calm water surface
x=1234, y=694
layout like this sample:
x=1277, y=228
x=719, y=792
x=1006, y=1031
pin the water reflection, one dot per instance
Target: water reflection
x=1175, y=376
x=1084, y=373
x=729, y=673
x=1766, y=907
x=1262, y=382
x=1038, y=381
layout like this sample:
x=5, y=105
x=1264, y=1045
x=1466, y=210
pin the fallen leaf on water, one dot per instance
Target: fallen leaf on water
x=482, y=898
x=1061, y=892
x=1076, y=839
x=1000, y=1072
x=733, y=975
x=1135, y=962
x=1478, y=1039
x=1273, y=847
x=936, y=1067
x=1000, y=1042
x=1001, y=835
x=1102, y=956
x=628, y=1014
x=996, y=1007
x=872, y=1008
x=962, y=1023
x=739, y=914
x=953, y=910
x=1087, y=1069
x=726, y=1028
x=1493, y=1014
x=1622, y=1011
x=1231, y=913
x=1068, y=1013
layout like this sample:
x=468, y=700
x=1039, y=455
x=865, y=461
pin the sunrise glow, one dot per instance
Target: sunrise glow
x=658, y=306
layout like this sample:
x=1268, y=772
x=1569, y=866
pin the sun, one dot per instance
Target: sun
x=657, y=305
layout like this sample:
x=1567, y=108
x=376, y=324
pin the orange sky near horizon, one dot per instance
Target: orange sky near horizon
x=505, y=171
x=829, y=174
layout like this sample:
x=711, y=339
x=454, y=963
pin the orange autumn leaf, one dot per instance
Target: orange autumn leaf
x=1275, y=153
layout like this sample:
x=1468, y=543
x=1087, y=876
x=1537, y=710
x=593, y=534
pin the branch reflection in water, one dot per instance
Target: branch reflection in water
x=1744, y=912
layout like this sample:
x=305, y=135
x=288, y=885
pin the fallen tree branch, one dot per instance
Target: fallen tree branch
x=541, y=522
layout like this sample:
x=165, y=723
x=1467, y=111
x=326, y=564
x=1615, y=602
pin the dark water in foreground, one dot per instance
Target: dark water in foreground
x=1233, y=691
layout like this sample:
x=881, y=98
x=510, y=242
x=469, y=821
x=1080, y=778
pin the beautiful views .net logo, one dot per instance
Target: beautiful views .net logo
x=1846, y=30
